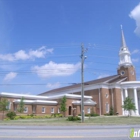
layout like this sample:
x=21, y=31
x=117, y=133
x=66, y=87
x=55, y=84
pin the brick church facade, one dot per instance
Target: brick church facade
x=100, y=94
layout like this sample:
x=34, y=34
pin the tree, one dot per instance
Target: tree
x=128, y=105
x=4, y=106
x=111, y=111
x=63, y=105
x=21, y=106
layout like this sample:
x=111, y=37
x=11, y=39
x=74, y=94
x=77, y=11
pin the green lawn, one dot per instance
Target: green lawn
x=117, y=120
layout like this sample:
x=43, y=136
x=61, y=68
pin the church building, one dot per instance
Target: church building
x=99, y=95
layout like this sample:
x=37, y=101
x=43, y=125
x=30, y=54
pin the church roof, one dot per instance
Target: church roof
x=109, y=79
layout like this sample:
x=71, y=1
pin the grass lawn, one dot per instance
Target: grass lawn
x=103, y=120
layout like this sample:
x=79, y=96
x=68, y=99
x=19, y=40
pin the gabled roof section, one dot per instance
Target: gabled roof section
x=98, y=81
x=119, y=79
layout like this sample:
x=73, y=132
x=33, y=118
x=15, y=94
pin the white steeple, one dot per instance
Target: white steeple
x=125, y=58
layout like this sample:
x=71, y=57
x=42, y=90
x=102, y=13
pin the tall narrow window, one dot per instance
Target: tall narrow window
x=107, y=108
x=43, y=109
x=9, y=105
x=58, y=110
x=25, y=109
x=15, y=107
x=34, y=109
x=88, y=110
x=52, y=110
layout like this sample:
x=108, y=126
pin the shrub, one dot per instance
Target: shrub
x=96, y=115
x=111, y=111
x=11, y=115
x=47, y=116
x=7, y=119
x=107, y=114
x=87, y=115
x=60, y=115
x=71, y=118
x=16, y=117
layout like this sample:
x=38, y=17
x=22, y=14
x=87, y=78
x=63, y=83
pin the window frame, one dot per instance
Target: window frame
x=58, y=110
x=43, y=109
x=88, y=110
x=8, y=107
x=107, y=107
x=52, y=110
x=26, y=111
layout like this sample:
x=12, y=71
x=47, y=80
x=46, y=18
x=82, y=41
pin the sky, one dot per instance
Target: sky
x=40, y=41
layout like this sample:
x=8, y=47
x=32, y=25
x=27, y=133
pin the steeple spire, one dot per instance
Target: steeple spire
x=125, y=58
x=123, y=43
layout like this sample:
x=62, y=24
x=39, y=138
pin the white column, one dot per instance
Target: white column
x=100, y=102
x=136, y=101
x=112, y=98
x=122, y=101
x=126, y=95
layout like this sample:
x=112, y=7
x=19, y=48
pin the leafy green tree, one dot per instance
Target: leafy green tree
x=128, y=105
x=63, y=107
x=11, y=115
x=111, y=111
x=21, y=106
x=4, y=106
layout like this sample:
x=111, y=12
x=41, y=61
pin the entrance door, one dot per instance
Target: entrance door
x=69, y=110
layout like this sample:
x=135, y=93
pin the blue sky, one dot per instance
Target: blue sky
x=40, y=41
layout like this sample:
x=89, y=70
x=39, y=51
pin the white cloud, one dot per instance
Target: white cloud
x=53, y=69
x=54, y=85
x=135, y=14
x=135, y=51
x=10, y=76
x=135, y=60
x=23, y=55
x=102, y=76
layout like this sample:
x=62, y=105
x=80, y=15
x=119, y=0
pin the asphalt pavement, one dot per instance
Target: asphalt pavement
x=99, y=132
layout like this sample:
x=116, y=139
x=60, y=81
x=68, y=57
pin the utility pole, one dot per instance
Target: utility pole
x=83, y=57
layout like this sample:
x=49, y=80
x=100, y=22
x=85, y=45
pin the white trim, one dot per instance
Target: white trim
x=112, y=79
x=130, y=84
x=36, y=102
x=69, y=96
x=5, y=94
x=122, y=80
x=72, y=96
x=87, y=102
x=100, y=109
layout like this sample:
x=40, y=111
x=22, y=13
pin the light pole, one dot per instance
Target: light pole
x=82, y=82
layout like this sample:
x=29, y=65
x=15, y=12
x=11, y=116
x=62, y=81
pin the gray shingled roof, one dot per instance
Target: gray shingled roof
x=109, y=79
